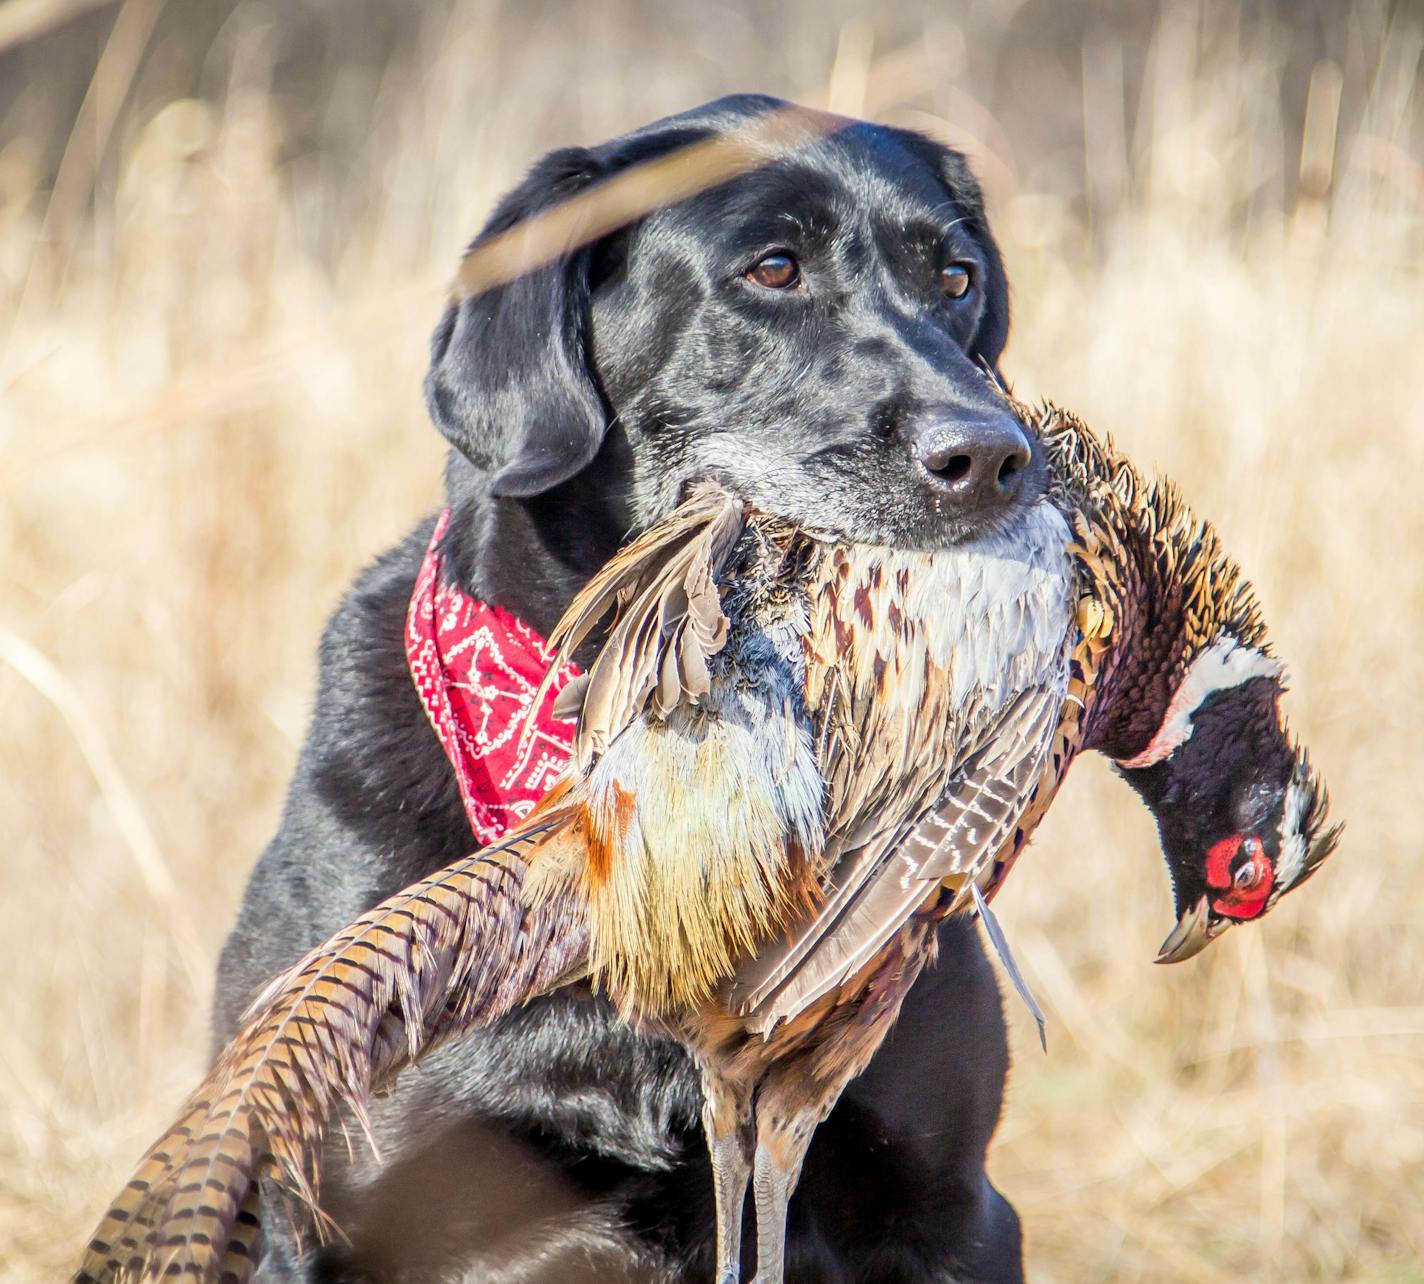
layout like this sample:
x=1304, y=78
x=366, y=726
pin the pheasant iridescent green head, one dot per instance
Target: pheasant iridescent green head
x=1187, y=698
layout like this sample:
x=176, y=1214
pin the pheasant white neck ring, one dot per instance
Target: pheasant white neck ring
x=1226, y=663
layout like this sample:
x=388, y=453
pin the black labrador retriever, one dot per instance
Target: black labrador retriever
x=815, y=332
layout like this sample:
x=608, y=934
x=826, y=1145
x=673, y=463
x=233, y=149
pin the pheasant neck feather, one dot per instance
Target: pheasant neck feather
x=1166, y=589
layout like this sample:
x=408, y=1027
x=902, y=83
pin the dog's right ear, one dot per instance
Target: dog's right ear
x=511, y=384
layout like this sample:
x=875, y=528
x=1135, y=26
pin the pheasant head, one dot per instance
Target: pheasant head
x=1187, y=698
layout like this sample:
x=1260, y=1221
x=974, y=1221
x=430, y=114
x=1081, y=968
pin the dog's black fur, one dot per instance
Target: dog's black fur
x=579, y=401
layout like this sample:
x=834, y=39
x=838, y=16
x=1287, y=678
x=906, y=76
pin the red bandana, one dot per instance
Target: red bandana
x=477, y=668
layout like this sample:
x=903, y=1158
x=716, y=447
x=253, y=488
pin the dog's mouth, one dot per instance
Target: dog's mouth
x=923, y=521
x=927, y=519
x=952, y=524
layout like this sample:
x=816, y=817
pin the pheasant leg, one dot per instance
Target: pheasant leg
x=727, y=1121
x=779, y=1153
x=790, y=1105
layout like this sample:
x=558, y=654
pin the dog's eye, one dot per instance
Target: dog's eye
x=775, y=272
x=955, y=280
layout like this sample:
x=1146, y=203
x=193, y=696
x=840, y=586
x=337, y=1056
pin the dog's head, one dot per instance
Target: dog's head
x=817, y=331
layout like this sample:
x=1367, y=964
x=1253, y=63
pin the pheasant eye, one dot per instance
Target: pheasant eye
x=775, y=272
x=1254, y=867
x=955, y=280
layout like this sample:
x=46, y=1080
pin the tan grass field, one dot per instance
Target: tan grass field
x=217, y=274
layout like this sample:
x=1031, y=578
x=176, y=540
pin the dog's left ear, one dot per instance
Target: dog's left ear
x=968, y=201
x=510, y=383
x=993, y=332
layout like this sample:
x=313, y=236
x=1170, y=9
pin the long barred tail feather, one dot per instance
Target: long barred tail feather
x=445, y=955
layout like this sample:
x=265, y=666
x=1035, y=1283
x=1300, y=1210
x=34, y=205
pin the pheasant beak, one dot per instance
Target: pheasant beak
x=1195, y=930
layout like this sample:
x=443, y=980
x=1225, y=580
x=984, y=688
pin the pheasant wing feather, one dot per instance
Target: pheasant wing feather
x=878, y=886
x=973, y=822
x=669, y=623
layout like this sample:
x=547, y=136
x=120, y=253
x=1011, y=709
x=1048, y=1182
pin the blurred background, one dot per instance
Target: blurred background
x=225, y=233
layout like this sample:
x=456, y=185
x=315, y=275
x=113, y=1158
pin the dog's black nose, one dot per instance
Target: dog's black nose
x=979, y=463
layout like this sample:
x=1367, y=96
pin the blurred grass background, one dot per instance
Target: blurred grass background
x=225, y=229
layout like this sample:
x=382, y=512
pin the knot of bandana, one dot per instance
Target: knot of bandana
x=477, y=669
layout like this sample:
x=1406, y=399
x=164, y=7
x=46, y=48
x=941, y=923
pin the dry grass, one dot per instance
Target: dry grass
x=211, y=418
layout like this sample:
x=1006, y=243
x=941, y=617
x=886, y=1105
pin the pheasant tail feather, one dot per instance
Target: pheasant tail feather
x=444, y=956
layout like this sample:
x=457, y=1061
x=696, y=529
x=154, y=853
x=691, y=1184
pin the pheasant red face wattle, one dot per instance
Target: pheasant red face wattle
x=1240, y=868
x=1241, y=878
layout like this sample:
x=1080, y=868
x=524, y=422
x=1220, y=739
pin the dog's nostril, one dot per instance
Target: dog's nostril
x=1012, y=466
x=955, y=468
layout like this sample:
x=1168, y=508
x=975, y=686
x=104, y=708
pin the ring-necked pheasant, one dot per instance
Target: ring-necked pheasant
x=794, y=757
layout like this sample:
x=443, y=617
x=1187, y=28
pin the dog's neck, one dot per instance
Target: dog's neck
x=531, y=556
